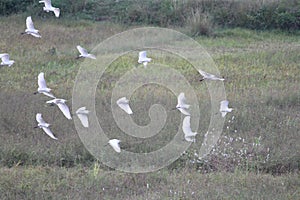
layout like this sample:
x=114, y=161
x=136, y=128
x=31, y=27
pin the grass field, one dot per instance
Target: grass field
x=257, y=156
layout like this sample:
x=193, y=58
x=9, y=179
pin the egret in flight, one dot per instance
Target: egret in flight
x=30, y=30
x=82, y=114
x=43, y=87
x=224, y=108
x=181, y=105
x=84, y=53
x=186, y=128
x=115, y=144
x=209, y=76
x=61, y=103
x=123, y=103
x=5, y=59
x=43, y=125
x=143, y=58
x=48, y=7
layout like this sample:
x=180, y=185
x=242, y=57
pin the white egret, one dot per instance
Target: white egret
x=84, y=53
x=5, y=59
x=48, y=7
x=114, y=143
x=43, y=125
x=61, y=103
x=82, y=114
x=123, y=103
x=224, y=108
x=143, y=58
x=210, y=76
x=43, y=87
x=181, y=105
x=30, y=28
x=186, y=128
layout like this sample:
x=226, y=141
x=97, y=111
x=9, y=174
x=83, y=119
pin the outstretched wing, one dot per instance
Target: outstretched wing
x=224, y=105
x=4, y=57
x=56, y=12
x=186, y=128
x=49, y=132
x=114, y=143
x=84, y=119
x=39, y=118
x=65, y=110
x=29, y=23
x=186, y=125
x=41, y=81
x=181, y=100
x=81, y=50
x=123, y=103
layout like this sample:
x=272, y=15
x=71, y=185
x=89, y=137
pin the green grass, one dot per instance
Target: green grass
x=91, y=183
x=257, y=156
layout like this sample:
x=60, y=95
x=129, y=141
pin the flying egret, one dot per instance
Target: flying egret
x=224, y=108
x=123, y=103
x=82, y=114
x=210, y=76
x=182, y=106
x=61, y=103
x=186, y=128
x=43, y=125
x=43, y=87
x=5, y=60
x=48, y=7
x=84, y=53
x=30, y=28
x=143, y=58
x=114, y=143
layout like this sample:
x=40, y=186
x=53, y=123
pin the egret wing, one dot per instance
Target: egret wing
x=224, y=105
x=91, y=56
x=41, y=81
x=39, y=118
x=65, y=110
x=49, y=132
x=83, y=119
x=186, y=125
x=29, y=23
x=56, y=12
x=81, y=50
x=114, y=143
x=123, y=103
x=4, y=57
x=49, y=94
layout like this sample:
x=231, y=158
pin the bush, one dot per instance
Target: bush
x=200, y=16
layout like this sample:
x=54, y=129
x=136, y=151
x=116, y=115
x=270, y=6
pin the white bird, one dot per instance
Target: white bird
x=82, y=114
x=224, y=108
x=181, y=105
x=210, y=76
x=143, y=58
x=30, y=28
x=43, y=87
x=61, y=103
x=5, y=60
x=43, y=125
x=84, y=53
x=114, y=143
x=186, y=128
x=48, y=7
x=123, y=103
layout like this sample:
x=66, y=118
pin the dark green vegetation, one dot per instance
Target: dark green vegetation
x=202, y=16
x=257, y=156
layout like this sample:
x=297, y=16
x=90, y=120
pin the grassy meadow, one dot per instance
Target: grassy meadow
x=257, y=156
